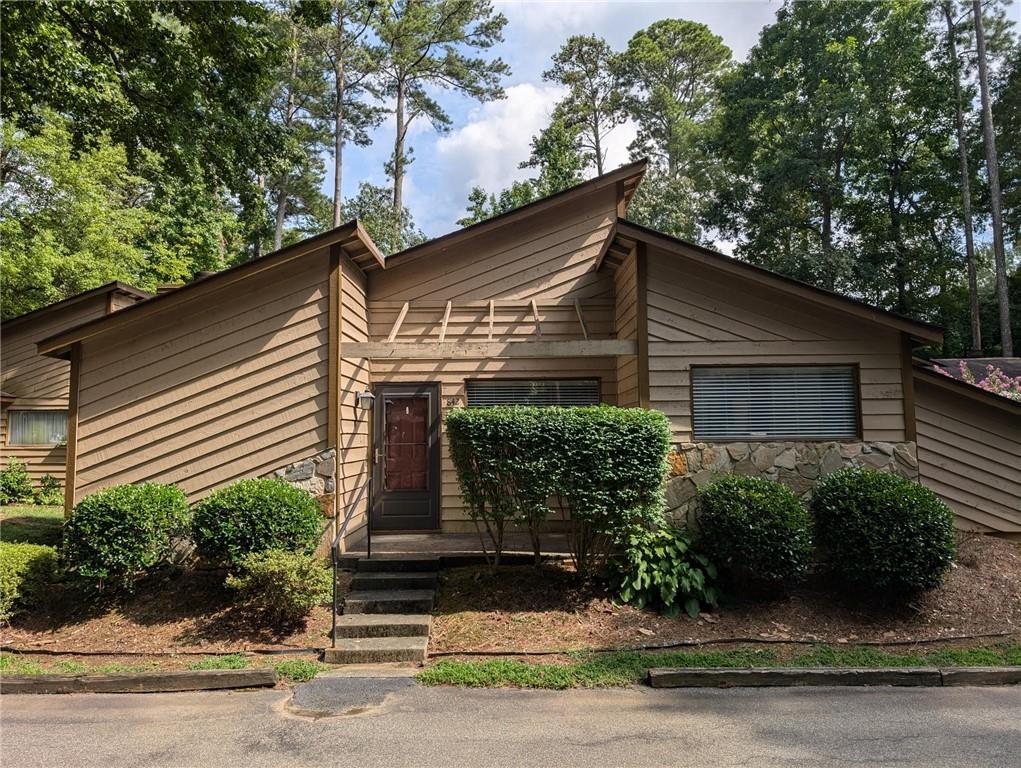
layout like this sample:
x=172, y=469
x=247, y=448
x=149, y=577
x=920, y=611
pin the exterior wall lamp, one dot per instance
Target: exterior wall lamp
x=365, y=400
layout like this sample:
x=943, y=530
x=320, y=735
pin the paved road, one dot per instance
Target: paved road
x=364, y=723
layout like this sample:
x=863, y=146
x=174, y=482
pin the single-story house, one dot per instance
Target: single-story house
x=33, y=400
x=326, y=364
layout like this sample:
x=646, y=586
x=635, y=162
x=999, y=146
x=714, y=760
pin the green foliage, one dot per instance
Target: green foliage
x=298, y=670
x=26, y=570
x=282, y=586
x=15, y=484
x=882, y=532
x=119, y=532
x=1007, y=121
x=49, y=492
x=755, y=529
x=660, y=568
x=253, y=516
x=227, y=661
x=372, y=206
x=605, y=464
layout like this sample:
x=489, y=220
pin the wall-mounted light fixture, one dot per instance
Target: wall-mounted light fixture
x=365, y=400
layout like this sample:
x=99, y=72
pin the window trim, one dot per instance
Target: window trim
x=8, y=431
x=597, y=379
x=855, y=377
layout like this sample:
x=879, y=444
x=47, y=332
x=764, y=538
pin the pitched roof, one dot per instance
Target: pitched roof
x=926, y=369
x=915, y=328
x=351, y=236
x=78, y=297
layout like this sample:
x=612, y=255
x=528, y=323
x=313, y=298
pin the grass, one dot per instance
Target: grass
x=30, y=524
x=629, y=668
x=298, y=670
x=12, y=664
x=228, y=661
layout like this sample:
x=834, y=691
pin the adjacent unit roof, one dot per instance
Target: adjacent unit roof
x=58, y=306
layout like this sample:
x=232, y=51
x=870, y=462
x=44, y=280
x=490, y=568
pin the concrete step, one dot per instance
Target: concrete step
x=384, y=625
x=401, y=563
x=390, y=601
x=381, y=580
x=370, y=650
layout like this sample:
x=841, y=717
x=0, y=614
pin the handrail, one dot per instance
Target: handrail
x=348, y=514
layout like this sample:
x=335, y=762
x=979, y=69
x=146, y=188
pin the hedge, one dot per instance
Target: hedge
x=26, y=570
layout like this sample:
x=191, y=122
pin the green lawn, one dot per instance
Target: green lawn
x=629, y=668
x=31, y=524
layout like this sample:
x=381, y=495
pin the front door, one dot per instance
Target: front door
x=406, y=471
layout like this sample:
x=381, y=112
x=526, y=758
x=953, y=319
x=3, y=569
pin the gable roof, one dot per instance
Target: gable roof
x=916, y=329
x=926, y=370
x=351, y=237
x=63, y=304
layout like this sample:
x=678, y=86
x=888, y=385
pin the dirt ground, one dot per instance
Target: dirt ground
x=527, y=609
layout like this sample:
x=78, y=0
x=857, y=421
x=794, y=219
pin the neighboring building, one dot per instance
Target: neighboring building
x=33, y=403
x=265, y=369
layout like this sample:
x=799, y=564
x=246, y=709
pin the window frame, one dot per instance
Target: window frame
x=9, y=432
x=855, y=368
x=597, y=379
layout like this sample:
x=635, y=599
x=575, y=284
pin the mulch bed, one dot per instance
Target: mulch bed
x=520, y=609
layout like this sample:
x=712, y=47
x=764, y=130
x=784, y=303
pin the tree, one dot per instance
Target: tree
x=993, y=175
x=1007, y=119
x=587, y=66
x=428, y=44
x=390, y=232
x=673, y=70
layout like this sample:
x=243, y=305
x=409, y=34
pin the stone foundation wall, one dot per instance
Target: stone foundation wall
x=317, y=474
x=798, y=465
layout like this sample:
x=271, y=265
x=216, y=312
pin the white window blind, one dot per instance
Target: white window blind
x=774, y=402
x=484, y=394
x=26, y=427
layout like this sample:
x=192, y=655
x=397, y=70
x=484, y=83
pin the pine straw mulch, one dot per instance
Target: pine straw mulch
x=522, y=609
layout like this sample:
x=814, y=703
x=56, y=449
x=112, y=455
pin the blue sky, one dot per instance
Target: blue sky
x=488, y=141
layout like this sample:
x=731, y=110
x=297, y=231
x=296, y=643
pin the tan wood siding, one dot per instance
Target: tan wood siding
x=970, y=454
x=700, y=316
x=206, y=393
x=626, y=327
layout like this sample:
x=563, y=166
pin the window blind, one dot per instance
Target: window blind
x=36, y=427
x=491, y=392
x=774, y=402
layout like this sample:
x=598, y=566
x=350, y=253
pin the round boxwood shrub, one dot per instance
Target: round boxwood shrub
x=26, y=570
x=119, y=532
x=254, y=516
x=283, y=586
x=754, y=529
x=882, y=531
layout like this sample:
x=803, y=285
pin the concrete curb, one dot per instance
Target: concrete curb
x=142, y=682
x=761, y=677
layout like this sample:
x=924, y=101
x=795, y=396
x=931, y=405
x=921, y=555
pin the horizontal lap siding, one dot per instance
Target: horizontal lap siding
x=353, y=466
x=211, y=391
x=970, y=454
x=698, y=316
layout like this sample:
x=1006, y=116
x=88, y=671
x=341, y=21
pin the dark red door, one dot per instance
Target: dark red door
x=407, y=458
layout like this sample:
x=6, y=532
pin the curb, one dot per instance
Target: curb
x=141, y=682
x=762, y=677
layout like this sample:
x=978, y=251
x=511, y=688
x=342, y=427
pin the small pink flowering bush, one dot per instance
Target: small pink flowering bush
x=995, y=380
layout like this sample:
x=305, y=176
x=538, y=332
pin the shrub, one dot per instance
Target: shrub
x=755, y=529
x=15, y=485
x=605, y=464
x=882, y=531
x=283, y=586
x=26, y=570
x=49, y=492
x=660, y=568
x=254, y=516
x=120, y=532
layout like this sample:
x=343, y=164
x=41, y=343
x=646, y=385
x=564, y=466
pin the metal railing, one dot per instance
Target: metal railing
x=335, y=544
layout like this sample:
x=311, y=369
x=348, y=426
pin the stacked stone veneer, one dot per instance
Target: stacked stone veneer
x=317, y=475
x=798, y=465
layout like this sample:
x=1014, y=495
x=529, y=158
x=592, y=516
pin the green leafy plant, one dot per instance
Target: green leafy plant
x=26, y=570
x=755, y=529
x=49, y=492
x=227, y=661
x=254, y=516
x=298, y=670
x=119, y=532
x=15, y=484
x=282, y=586
x=879, y=531
x=661, y=568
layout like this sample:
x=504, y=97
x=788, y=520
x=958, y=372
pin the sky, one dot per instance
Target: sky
x=488, y=141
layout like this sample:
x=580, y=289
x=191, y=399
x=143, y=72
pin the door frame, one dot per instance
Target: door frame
x=382, y=390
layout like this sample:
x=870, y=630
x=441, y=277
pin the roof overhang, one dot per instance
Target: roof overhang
x=923, y=369
x=112, y=287
x=922, y=332
x=351, y=237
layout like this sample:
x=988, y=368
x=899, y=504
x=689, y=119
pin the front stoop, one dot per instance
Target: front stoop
x=387, y=613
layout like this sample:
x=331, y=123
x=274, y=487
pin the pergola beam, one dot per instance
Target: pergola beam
x=491, y=349
x=397, y=323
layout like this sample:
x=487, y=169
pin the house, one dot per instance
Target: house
x=326, y=364
x=33, y=401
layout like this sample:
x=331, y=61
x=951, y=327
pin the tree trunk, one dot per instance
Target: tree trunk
x=281, y=212
x=962, y=152
x=399, y=162
x=338, y=119
x=598, y=146
x=993, y=171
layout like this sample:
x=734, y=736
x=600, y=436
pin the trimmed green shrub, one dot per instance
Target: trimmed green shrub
x=879, y=531
x=26, y=570
x=15, y=484
x=282, y=586
x=49, y=492
x=755, y=529
x=254, y=516
x=604, y=464
x=660, y=568
x=119, y=532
